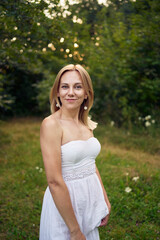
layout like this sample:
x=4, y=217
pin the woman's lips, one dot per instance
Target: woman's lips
x=71, y=100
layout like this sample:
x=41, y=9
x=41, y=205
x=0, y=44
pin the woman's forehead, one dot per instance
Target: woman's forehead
x=71, y=76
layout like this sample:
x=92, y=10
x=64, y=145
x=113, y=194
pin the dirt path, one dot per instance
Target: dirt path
x=135, y=154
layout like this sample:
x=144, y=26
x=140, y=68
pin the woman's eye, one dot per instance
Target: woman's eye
x=78, y=86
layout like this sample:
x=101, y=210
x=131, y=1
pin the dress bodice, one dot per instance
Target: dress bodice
x=79, y=152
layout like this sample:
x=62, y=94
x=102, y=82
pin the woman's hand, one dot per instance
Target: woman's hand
x=77, y=236
x=104, y=221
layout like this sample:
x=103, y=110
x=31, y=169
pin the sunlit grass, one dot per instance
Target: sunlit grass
x=134, y=214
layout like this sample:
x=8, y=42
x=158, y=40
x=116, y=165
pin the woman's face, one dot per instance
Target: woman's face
x=71, y=90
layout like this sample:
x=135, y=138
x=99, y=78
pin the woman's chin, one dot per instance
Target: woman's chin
x=71, y=107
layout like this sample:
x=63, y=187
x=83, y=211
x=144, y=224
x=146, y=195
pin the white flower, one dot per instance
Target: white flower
x=70, y=55
x=50, y=45
x=147, y=123
x=13, y=39
x=112, y=123
x=33, y=225
x=66, y=13
x=38, y=24
x=37, y=168
x=61, y=40
x=21, y=51
x=15, y=28
x=127, y=173
x=44, y=50
x=34, y=1
x=47, y=1
x=135, y=178
x=76, y=45
x=139, y=118
x=74, y=19
x=51, y=5
x=148, y=117
x=40, y=170
x=79, y=21
x=128, y=189
x=153, y=121
x=67, y=50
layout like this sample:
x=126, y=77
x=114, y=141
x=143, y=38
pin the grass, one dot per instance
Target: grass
x=123, y=156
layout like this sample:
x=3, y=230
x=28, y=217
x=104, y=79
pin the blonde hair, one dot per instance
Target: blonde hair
x=83, y=114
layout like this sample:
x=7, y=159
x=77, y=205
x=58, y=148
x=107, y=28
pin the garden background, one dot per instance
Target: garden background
x=118, y=42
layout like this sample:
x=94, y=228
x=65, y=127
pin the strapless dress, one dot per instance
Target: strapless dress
x=79, y=173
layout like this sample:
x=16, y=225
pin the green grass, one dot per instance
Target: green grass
x=123, y=156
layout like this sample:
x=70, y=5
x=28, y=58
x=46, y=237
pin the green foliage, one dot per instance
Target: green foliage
x=128, y=78
x=43, y=89
x=6, y=100
x=118, y=44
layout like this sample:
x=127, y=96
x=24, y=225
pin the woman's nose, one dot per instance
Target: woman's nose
x=71, y=91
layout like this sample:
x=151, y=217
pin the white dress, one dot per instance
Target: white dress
x=79, y=173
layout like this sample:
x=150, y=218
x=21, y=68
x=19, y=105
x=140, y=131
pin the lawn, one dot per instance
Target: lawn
x=127, y=162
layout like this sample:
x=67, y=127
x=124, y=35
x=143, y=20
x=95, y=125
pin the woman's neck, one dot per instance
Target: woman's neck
x=70, y=115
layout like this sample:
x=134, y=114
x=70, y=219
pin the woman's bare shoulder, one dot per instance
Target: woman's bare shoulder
x=51, y=124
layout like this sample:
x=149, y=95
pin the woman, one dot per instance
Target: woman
x=75, y=203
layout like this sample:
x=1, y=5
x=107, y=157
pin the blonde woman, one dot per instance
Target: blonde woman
x=75, y=202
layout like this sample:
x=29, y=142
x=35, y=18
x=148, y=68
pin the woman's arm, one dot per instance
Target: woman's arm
x=50, y=140
x=105, y=220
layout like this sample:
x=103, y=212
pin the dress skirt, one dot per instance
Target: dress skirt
x=88, y=203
